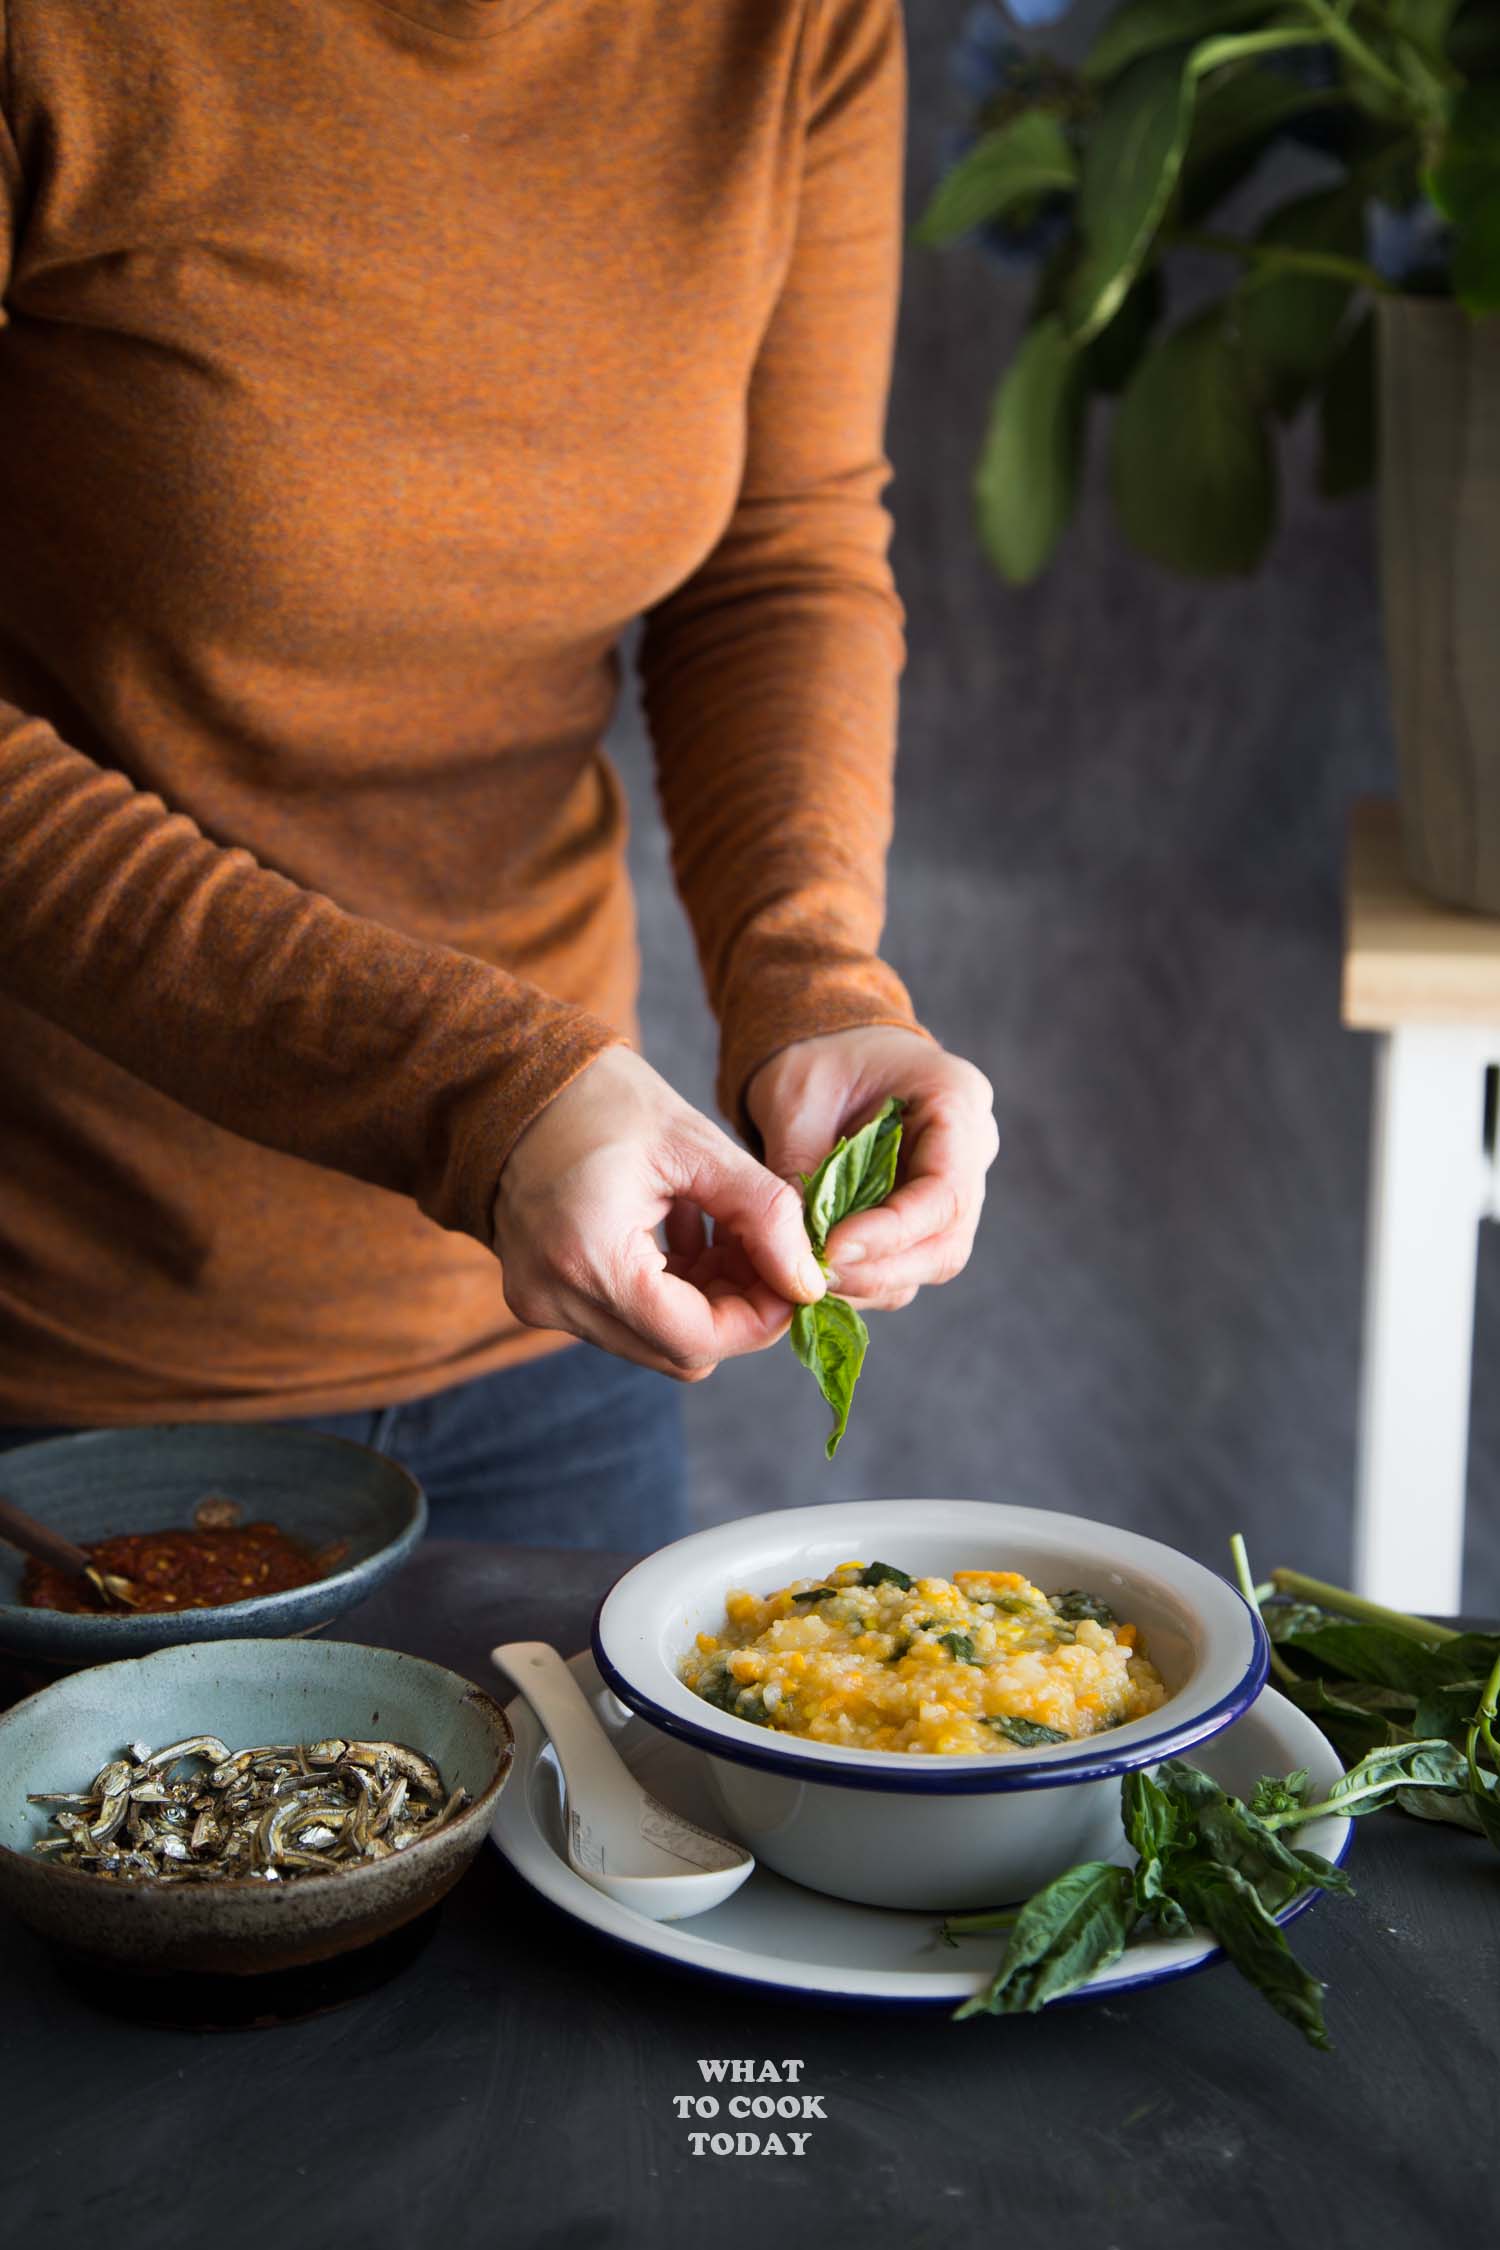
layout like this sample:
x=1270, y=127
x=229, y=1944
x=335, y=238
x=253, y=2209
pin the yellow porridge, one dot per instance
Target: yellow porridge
x=872, y=1659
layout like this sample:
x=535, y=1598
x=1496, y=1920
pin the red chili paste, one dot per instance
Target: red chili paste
x=181, y=1569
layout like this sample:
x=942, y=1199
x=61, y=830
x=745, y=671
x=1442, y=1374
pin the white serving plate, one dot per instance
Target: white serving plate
x=776, y=1934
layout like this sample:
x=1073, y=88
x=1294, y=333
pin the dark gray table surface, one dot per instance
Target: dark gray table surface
x=513, y=2086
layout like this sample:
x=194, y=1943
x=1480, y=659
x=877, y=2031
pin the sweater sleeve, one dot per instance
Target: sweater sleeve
x=769, y=677
x=264, y=1007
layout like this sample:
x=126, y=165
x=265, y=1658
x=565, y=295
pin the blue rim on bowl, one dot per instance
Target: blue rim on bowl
x=638, y=1665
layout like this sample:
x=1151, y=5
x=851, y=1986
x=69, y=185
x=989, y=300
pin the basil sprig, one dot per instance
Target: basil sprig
x=1417, y=1705
x=829, y=1337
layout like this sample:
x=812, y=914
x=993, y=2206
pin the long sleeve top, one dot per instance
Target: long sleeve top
x=366, y=367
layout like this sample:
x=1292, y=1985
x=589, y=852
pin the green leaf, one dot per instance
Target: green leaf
x=855, y=1175
x=959, y=1647
x=1155, y=1824
x=1027, y=1734
x=830, y=1339
x=1236, y=114
x=1447, y=1711
x=1113, y=356
x=1028, y=157
x=1135, y=148
x=1027, y=474
x=1077, y=1924
x=1193, y=473
x=1474, y=40
x=1075, y=1604
x=819, y=1594
x=1232, y=1836
x=1391, y=1659
x=1229, y=1907
x=1382, y=1773
x=1465, y=185
x=1145, y=27
x=1289, y=323
x=884, y=1574
x=1346, y=414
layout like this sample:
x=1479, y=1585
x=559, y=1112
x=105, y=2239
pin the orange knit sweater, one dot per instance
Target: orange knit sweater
x=365, y=367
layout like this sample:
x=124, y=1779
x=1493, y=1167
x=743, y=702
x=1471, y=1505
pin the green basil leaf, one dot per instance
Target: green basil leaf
x=1377, y=1654
x=884, y=1574
x=1383, y=1772
x=855, y=1175
x=819, y=1594
x=830, y=1339
x=1078, y=1923
x=1230, y=1835
x=1447, y=1711
x=1229, y=1907
x=1027, y=1734
x=1076, y=1604
x=959, y=1647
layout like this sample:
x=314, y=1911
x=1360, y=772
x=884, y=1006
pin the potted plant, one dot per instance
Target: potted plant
x=1372, y=299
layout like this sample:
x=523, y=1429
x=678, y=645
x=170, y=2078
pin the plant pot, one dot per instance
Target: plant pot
x=1439, y=383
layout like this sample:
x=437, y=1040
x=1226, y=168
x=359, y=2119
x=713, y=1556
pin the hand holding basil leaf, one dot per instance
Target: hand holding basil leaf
x=829, y=1337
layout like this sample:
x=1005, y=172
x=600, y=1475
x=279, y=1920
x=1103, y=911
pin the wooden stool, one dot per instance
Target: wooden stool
x=1426, y=979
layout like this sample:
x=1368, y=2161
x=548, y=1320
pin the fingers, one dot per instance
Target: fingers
x=764, y=1214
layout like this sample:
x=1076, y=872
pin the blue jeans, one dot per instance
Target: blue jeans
x=576, y=1449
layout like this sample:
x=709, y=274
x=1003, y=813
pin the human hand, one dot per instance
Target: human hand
x=614, y=1155
x=811, y=1093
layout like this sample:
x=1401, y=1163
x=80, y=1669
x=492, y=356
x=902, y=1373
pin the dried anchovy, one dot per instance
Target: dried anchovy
x=269, y=1814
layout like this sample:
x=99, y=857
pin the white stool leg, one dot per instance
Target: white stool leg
x=1429, y=1188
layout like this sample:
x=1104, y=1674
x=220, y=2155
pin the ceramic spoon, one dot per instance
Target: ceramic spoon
x=620, y=1839
x=18, y=1529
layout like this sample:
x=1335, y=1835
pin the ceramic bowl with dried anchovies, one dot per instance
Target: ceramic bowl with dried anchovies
x=196, y=1811
x=317, y=1696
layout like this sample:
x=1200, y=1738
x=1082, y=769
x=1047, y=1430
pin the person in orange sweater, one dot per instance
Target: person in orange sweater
x=366, y=368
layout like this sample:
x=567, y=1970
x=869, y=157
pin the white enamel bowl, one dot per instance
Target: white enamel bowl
x=885, y=1827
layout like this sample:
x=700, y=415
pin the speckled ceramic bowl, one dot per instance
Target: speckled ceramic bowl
x=245, y=1692
x=102, y=1482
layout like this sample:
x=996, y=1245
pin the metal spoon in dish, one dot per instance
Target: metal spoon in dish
x=621, y=1839
x=18, y=1529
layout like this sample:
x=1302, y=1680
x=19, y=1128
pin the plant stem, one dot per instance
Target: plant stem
x=1304, y=1589
x=1276, y=257
x=1489, y=1706
x=1251, y=1592
x=1339, y=34
x=975, y=1925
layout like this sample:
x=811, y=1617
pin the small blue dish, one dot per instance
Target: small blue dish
x=100, y=1483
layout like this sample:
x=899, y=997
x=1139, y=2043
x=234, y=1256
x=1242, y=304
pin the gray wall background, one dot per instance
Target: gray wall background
x=1116, y=887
